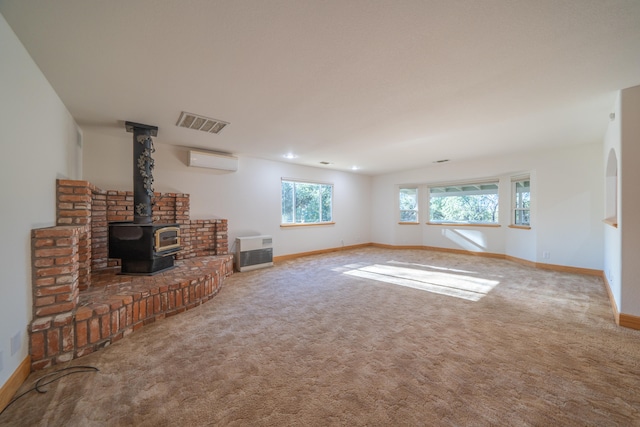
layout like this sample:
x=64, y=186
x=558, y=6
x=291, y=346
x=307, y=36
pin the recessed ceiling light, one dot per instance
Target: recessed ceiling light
x=355, y=168
x=290, y=156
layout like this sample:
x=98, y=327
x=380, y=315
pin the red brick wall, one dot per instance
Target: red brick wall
x=65, y=256
x=55, y=293
x=208, y=237
x=81, y=203
x=167, y=207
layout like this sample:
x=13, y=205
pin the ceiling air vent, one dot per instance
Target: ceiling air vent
x=205, y=124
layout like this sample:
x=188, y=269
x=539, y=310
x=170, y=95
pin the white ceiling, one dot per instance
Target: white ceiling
x=385, y=85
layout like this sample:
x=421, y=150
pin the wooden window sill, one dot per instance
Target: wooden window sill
x=520, y=227
x=409, y=223
x=466, y=224
x=611, y=221
x=313, y=224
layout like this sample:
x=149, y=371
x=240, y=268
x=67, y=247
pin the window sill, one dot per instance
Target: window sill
x=409, y=222
x=611, y=221
x=520, y=227
x=463, y=224
x=313, y=224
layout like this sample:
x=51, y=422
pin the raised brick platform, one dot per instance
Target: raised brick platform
x=80, y=304
x=117, y=305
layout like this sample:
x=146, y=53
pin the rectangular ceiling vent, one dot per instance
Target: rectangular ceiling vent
x=205, y=124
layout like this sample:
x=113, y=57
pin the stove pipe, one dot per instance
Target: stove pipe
x=142, y=171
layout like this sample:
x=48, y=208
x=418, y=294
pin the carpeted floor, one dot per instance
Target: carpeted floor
x=368, y=337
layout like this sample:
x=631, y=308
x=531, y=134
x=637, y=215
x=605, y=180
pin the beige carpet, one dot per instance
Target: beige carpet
x=367, y=337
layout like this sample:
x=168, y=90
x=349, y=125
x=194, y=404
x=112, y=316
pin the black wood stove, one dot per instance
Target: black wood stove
x=144, y=247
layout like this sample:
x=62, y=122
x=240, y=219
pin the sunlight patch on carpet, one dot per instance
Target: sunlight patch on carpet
x=435, y=267
x=454, y=270
x=454, y=285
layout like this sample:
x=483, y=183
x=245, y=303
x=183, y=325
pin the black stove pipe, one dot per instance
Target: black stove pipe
x=142, y=171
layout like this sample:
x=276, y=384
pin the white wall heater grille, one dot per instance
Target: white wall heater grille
x=254, y=252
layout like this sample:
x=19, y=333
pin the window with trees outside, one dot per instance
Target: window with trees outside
x=409, y=204
x=521, y=201
x=306, y=202
x=469, y=203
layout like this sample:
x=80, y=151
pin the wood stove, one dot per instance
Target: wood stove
x=143, y=247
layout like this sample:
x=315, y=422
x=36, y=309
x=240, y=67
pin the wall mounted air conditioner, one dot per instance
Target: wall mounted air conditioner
x=202, y=159
x=254, y=252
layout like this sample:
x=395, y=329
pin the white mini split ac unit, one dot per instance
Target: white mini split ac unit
x=254, y=252
x=202, y=159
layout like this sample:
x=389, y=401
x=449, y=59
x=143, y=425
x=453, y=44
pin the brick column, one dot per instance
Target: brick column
x=99, y=230
x=74, y=207
x=183, y=206
x=222, y=239
x=55, y=294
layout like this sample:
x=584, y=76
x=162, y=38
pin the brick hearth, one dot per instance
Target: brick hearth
x=80, y=302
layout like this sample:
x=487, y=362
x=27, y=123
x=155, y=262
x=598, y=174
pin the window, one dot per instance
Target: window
x=521, y=201
x=306, y=202
x=409, y=204
x=472, y=203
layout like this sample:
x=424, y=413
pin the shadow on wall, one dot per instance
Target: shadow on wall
x=471, y=240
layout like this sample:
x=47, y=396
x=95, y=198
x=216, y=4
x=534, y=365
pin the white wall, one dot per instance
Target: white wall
x=566, y=213
x=630, y=200
x=570, y=206
x=249, y=198
x=39, y=144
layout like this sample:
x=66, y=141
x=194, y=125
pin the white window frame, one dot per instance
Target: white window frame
x=416, y=210
x=466, y=188
x=514, y=201
x=295, y=221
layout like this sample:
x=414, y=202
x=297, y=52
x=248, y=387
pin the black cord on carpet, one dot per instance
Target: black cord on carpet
x=60, y=373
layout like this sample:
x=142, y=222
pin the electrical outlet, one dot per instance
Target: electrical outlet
x=15, y=343
x=546, y=254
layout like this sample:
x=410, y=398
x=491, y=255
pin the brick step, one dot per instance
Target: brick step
x=115, y=305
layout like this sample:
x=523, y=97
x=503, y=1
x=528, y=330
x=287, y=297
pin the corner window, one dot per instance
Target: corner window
x=468, y=203
x=306, y=202
x=409, y=204
x=521, y=201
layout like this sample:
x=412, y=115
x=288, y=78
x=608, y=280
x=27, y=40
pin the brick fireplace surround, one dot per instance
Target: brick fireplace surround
x=81, y=304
